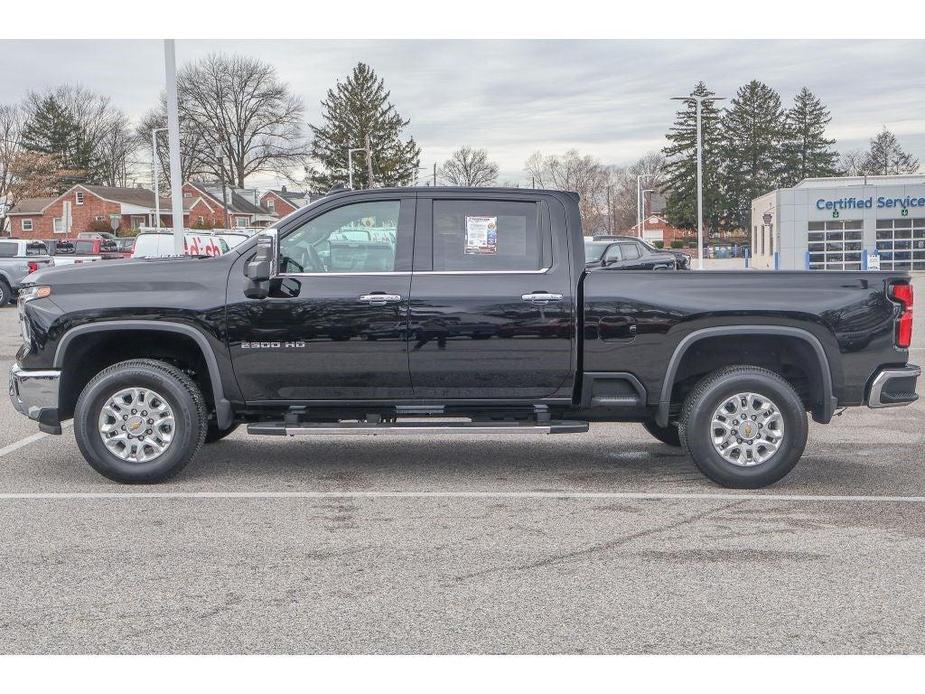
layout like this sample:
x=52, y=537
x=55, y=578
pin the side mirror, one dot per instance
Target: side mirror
x=260, y=269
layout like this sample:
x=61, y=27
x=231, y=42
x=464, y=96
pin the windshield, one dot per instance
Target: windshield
x=594, y=250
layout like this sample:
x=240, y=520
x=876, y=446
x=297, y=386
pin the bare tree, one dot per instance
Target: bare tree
x=582, y=174
x=10, y=128
x=117, y=149
x=851, y=163
x=469, y=167
x=238, y=107
x=196, y=161
x=97, y=138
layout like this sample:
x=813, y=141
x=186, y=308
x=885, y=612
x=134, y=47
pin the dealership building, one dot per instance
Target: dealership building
x=847, y=223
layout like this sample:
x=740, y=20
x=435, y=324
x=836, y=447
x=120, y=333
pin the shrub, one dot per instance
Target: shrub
x=658, y=244
x=677, y=243
x=99, y=225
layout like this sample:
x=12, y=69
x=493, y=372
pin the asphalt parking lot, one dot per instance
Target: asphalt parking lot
x=605, y=542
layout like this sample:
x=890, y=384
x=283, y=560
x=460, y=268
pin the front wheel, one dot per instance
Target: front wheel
x=6, y=294
x=744, y=427
x=140, y=421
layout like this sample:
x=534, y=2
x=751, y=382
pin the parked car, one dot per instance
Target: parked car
x=18, y=258
x=81, y=251
x=232, y=238
x=125, y=245
x=682, y=259
x=626, y=255
x=482, y=312
x=97, y=235
x=159, y=244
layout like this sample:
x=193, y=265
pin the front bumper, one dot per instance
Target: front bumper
x=35, y=394
x=894, y=387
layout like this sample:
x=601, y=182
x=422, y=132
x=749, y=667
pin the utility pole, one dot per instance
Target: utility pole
x=369, y=164
x=157, y=192
x=350, y=152
x=435, y=174
x=639, y=201
x=642, y=224
x=173, y=132
x=609, y=215
x=699, y=101
x=221, y=175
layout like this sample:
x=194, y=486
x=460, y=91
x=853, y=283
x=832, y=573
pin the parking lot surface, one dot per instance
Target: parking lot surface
x=605, y=542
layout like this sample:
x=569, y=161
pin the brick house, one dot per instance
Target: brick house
x=82, y=207
x=242, y=205
x=657, y=228
x=283, y=202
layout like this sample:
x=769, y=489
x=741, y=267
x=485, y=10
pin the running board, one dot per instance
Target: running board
x=413, y=428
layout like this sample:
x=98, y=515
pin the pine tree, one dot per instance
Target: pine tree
x=887, y=158
x=806, y=151
x=681, y=166
x=753, y=131
x=52, y=130
x=354, y=110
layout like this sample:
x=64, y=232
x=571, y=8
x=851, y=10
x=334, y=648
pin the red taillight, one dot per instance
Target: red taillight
x=33, y=266
x=904, y=295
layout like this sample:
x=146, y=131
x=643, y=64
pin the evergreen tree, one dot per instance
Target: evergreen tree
x=52, y=130
x=887, y=158
x=806, y=151
x=753, y=130
x=681, y=165
x=353, y=111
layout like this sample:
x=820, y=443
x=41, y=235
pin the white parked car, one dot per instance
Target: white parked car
x=159, y=244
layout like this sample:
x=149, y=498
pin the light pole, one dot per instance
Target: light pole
x=173, y=133
x=639, y=178
x=157, y=192
x=642, y=221
x=699, y=101
x=350, y=152
x=221, y=175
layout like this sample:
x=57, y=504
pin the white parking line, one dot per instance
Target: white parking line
x=6, y=450
x=637, y=496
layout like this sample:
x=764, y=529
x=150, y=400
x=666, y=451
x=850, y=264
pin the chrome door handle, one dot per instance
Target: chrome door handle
x=380, y=299
x=541, y=298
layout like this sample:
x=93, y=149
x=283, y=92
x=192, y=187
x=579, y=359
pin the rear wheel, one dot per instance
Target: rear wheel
x=744, y=427
x=6, y=295
x=668, y=434
x=140, y=421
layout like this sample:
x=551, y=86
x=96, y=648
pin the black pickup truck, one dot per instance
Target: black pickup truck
x=450, y=310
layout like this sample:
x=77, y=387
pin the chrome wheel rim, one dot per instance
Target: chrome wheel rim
x=747, y=429
x=137, y=424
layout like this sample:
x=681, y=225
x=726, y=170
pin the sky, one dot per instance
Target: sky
x=608, y=98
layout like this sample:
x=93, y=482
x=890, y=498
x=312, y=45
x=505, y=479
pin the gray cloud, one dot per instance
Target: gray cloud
x=610, y=98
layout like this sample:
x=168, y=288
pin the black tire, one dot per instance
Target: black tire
x=6, y=294
x=667, y=434
x=176, y=388
x=213, y=433
x=696, y=429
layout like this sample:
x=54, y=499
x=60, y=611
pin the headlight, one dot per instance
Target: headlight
x=35, y=291
x=28, y=293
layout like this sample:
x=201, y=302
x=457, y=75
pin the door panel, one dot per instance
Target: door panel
x=335, y=324
x=478, y=333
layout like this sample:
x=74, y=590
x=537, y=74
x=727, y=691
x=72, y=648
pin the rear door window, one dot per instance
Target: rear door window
x=487, y=235
x=629, y=250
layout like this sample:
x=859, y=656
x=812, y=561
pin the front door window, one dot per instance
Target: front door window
x=353, y=239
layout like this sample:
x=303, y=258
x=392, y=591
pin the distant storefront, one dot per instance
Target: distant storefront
x=846, y=223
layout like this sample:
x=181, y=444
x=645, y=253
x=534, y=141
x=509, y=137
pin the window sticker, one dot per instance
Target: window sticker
x=481, y=235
